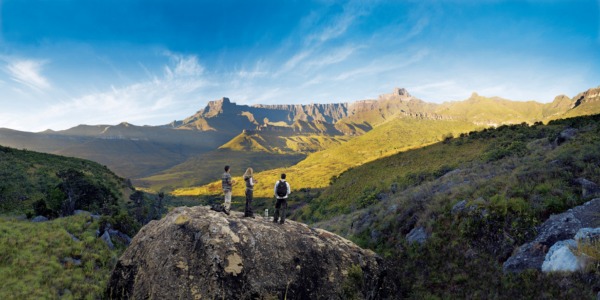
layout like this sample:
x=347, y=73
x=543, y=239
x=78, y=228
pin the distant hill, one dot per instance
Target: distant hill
x=28, y=177
x=145, y=153
x=318, y=168
x=585, y=103
x=131, y=151
x=205, y=168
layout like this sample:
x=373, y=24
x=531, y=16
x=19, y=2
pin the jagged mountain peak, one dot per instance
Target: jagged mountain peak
x=220, y=106
x=397, y=94
x=591, y=95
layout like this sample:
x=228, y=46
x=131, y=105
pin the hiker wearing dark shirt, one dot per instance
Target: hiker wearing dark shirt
x=282, y=190
x=227, y=183
x=250, y=181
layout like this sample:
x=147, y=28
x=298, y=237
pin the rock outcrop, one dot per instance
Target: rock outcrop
x=588, y=188
x=566, y=256
x=417, y=235
x=589, y=96
x=561, y=258
x=557, y=228
x=197, y=253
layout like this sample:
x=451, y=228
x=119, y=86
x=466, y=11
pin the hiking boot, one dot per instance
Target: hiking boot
x=226, y=212
x=281, y=223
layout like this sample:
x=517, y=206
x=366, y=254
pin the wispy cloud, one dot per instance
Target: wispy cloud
x=317, y=37
x=295, y=60
x=339, y=24
x=259, y=70
x=28, y=73
x=385, y=64
x=337, y=27
x=333, y=56
x=438, y=91
x=184, y=66
x=152, y=102
x=416, y=29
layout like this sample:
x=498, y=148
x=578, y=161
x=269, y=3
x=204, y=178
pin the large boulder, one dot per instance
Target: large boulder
x=560, y=257
x=197, y=253
x=559, y=227
x=565, y=256
x=588, y=188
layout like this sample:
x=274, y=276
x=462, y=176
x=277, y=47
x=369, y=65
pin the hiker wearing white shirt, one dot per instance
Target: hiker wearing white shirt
x=282, y=190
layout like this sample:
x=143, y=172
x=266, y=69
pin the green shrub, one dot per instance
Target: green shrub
x=354, y=283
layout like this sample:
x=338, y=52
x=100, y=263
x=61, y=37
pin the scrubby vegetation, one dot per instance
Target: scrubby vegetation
x=32, y=180
x=511, y=179
x=62, y=258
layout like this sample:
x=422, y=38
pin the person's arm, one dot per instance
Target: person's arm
x=251, y=182
x=275, y=189
x=288, y=186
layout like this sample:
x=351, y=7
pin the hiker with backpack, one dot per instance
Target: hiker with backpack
x=249, y=192
x=282, y=190
x=227, y=184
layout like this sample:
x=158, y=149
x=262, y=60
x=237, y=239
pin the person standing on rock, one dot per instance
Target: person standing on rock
x=282, y=190
x=227, y=184
x=249, y=192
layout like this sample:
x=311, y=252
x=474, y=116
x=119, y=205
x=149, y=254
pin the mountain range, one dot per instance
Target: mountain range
x=191, y=151
x=446, y=207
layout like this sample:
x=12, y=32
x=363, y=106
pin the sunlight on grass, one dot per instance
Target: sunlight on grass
x=317, y=169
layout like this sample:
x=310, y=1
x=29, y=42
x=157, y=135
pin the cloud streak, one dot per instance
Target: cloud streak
x=151, y=102
x=28, y=72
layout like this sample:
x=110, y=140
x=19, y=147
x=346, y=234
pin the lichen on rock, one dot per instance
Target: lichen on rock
x=197, y=253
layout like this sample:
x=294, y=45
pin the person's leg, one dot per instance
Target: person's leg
x=276, y=214
x=283, y=210
x=249, y=199
x=247, y=204
x=227, y=203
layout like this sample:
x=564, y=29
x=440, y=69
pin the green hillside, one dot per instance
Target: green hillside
x=283, y=142
x=512, y=178
x=493, y=111
x=207, y=167
x=28, y=177
x=586, y=108
x=318, y=168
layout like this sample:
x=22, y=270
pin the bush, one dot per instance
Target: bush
x=354, y=283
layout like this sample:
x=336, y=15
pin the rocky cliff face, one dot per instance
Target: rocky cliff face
x=197, y=253
x=589, y=96
x=222, y=114
x=330, y=113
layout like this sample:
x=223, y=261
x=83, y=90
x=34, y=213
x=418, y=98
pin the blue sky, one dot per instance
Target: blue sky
x=64, y=63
